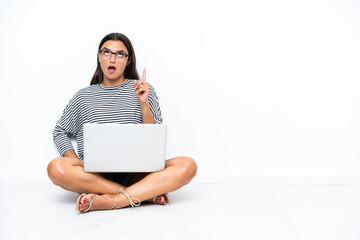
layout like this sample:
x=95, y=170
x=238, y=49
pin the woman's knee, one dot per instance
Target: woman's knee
x=54, y=169
x=188, y=169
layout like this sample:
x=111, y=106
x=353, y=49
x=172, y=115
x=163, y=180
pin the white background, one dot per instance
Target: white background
x=247, y=88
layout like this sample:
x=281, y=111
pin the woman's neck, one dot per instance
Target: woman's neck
x=113, y=82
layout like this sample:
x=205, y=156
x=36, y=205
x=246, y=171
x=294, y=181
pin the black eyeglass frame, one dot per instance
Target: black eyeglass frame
x=115, y=53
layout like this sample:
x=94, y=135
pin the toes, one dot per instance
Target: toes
x=160, y=200
x=84, y=204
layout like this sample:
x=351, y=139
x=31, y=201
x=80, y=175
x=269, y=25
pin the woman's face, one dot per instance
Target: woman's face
x=113, y=65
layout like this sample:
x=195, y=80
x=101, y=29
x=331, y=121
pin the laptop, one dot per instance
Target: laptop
x=112, y=147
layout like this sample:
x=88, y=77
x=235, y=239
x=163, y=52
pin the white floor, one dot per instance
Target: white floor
x=198, y=211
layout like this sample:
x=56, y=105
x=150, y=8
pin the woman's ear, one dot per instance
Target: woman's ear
x=129, y=61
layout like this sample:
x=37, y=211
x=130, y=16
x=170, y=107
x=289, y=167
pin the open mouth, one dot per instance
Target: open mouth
x=111, y=69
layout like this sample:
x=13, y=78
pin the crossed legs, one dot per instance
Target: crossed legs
x=69, y=174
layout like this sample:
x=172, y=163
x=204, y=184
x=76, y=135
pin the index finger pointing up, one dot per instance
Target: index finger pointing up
x=143, y=79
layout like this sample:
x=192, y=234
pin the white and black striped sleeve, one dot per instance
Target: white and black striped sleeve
x=67, y=126
x=154, y=105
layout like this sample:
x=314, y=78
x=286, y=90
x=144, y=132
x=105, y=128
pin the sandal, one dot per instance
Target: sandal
x=166, y=196
x=90, y=202
x=120, y=190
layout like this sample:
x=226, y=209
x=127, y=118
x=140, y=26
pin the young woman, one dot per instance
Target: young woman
x=115, y=95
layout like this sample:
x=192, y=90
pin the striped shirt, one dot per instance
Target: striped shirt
x=100, y=104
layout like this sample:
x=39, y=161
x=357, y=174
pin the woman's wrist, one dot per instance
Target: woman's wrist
x=144, y=105
x=147, y=116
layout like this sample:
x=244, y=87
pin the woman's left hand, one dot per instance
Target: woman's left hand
x=142, y=89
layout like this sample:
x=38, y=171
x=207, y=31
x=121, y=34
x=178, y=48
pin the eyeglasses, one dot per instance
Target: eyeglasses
x=106, y=54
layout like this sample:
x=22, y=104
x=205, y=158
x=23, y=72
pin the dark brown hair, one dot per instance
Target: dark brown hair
x=130, y=70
